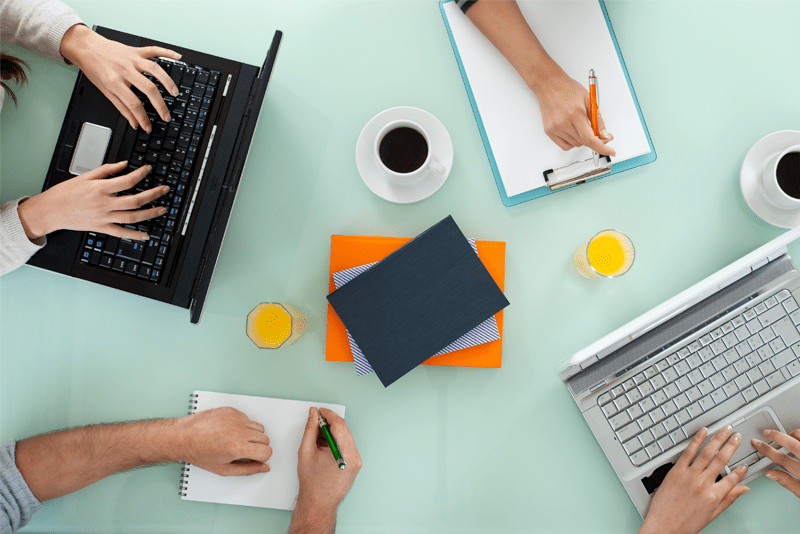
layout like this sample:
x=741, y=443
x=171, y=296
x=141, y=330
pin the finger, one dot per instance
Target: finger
x=734, y=494
x=707, y=454
x=118, y=231
x=254, y=425
x=133, y=217
x=338, y=426
x=562, y=143
x=724, y=455
x=601, y=125
x=570, y=136
x=122, y=108
x=792, y=466
x=795, y=434
x=785, y=480
x=150, y=90
x=156, y=51
x=133, y=202
x=729, y=482
x=690, y=451
x=595, y=143
x=104, y=171
x=258, y=436
x=123, y=183
x=132, y=102
x=239, y=469
x=787, y=442
x=156, y=71
x=258, y=452
x=309, y=442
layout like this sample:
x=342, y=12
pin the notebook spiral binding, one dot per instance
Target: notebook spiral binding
x=187, y=467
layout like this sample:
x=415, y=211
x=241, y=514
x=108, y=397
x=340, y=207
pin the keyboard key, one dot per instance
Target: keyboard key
x=639, y=458
x=786, y=330
x=619, y=420
x=707, y=369
x=683, y=417
x=189, y=75
x=718, y=396
x=155, y=275
x=771, y=315
x=644, y=422
x=749, y=393
x=730, y=373
x=730, y=389
x=119, y=264
x=730, y=340
x=693, y=394
x=718, y=347
x=694, y=360
x=609, y=409
x=202, y=76
x=650, y=372
x=761, y=307
x=749, y=315
x=634, y=396
x=670, y=424
x=130, y=249
x=213, y=78
x=793, y=367
x=632, y=445
x=106, y=261
x=132, y=268
x=717, y=380
x=742, y=333
x=647, y=404
x=658, y=431
x=646, y=438
x=706, y=339
x=727, y=328
x=681, y=401
x=85, y=255
x=653, y=450
x=658, y=382
x=706, y=403
x=635, y=411
x=665, y=443
x=670, y=375
x=737, y=321
x=94, y=259
x=657, y=415
x=772, y=301
x=684, y=383
x=716, y=333
x=781, y=359
x=672, y=390
x=762, y=386
x=682, y=367
x=790, y=305
x=705, y=387
x=696, y=376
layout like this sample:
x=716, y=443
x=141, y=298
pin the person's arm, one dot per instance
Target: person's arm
x=62, y=462
x=563, y=102
x=322, y=484
x=690, y=498
x=36, y=25
x=792, y=444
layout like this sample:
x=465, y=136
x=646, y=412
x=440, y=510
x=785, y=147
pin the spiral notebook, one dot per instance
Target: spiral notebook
x=284, y=422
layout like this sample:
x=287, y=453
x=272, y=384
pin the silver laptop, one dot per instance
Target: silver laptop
x=724, y=352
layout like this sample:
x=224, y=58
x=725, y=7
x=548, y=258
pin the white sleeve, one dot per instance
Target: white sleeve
x=38, y=25
x=15, y=247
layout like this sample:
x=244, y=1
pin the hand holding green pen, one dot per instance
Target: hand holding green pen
x=323, y=484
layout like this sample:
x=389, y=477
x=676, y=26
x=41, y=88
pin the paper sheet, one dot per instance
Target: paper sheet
x=575, y=34
x=284, y=422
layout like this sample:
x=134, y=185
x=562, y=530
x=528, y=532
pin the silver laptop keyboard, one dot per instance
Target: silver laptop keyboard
x=702, y=382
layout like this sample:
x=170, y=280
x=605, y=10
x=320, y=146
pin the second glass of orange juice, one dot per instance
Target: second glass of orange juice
x=606, y=255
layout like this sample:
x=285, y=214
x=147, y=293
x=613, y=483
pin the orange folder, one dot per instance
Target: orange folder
x=351, y=251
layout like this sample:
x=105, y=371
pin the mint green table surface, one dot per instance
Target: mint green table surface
x=445, y=450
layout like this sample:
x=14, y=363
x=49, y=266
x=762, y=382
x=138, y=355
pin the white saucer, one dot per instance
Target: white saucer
x=374, y=177
x=750, y=178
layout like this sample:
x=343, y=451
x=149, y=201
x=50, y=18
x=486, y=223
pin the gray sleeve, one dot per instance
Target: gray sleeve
x=17, y=503
x=15, y=247
x=38, y=25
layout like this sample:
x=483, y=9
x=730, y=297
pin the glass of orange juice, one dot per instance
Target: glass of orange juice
x=606, y=255
x=271, y=325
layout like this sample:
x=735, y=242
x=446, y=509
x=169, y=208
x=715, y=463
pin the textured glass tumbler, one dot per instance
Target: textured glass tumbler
x=271, y=325
x=608, y=254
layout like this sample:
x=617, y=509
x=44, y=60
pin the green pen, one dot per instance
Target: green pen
x=331, y=442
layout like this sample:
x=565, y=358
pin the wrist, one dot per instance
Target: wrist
x=310, y=517
x=32, y=214
x=76, y=41
x=541, y=76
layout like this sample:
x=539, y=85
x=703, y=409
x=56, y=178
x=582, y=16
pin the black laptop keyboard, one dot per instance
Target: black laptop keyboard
x=172, y=149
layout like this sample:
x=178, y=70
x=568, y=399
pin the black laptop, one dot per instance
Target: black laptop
x=200, y=154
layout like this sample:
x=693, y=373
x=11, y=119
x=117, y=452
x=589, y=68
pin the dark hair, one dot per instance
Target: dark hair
x=11, y=69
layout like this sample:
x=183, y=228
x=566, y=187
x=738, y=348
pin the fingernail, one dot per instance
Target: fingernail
x=757, y=443
x=162, y=211
x=604, y=134
x=147, y=128
x=169, y=117
x=166, y=189
x=175, y=91
x=145, y=238
x=742, y=468
x=771, y=476
x=736, y=437
x=767, y=432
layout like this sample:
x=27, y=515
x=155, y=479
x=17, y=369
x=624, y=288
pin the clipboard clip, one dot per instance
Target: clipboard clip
x=576, y=173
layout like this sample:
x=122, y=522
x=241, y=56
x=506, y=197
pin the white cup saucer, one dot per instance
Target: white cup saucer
x=378, y=182
x=753, y=190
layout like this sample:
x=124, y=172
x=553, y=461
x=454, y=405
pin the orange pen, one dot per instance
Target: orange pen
x=593, y=107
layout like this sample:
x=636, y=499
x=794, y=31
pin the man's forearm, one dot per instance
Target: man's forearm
x=60, y=463
x=310, y=520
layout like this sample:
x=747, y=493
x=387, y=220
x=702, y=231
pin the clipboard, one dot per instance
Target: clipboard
x=513, y=197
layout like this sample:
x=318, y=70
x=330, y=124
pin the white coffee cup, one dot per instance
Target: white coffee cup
x=770, y=180
x=430, y=163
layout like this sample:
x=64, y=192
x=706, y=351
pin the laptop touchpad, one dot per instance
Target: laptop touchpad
x=91, y=148
x=752, y=427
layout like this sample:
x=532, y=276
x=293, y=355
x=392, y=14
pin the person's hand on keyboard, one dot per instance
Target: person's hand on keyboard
x=114, y=67
x=791, y=443
x=690, y=498
x=224, y=441
x=88, y=202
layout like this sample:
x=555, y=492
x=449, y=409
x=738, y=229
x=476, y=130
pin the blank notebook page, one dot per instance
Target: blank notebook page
x=575, y=34
x=284, y=422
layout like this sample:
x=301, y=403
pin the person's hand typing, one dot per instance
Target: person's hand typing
x=88, y=202
x=114, y=67
x=690, y=498
x=224, y=441
x=565, y=107
x=322, y=484
x=791, y=443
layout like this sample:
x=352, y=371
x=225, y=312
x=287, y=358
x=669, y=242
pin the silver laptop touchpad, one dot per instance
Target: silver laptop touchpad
x=91, y=148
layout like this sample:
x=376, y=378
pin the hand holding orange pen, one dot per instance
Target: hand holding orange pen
x=593, y=111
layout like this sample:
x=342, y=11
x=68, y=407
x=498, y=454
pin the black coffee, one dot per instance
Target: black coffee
x=403, y=149
x=788, y=174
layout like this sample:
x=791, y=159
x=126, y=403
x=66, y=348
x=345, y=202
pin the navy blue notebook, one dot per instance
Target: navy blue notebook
x=419, y=299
